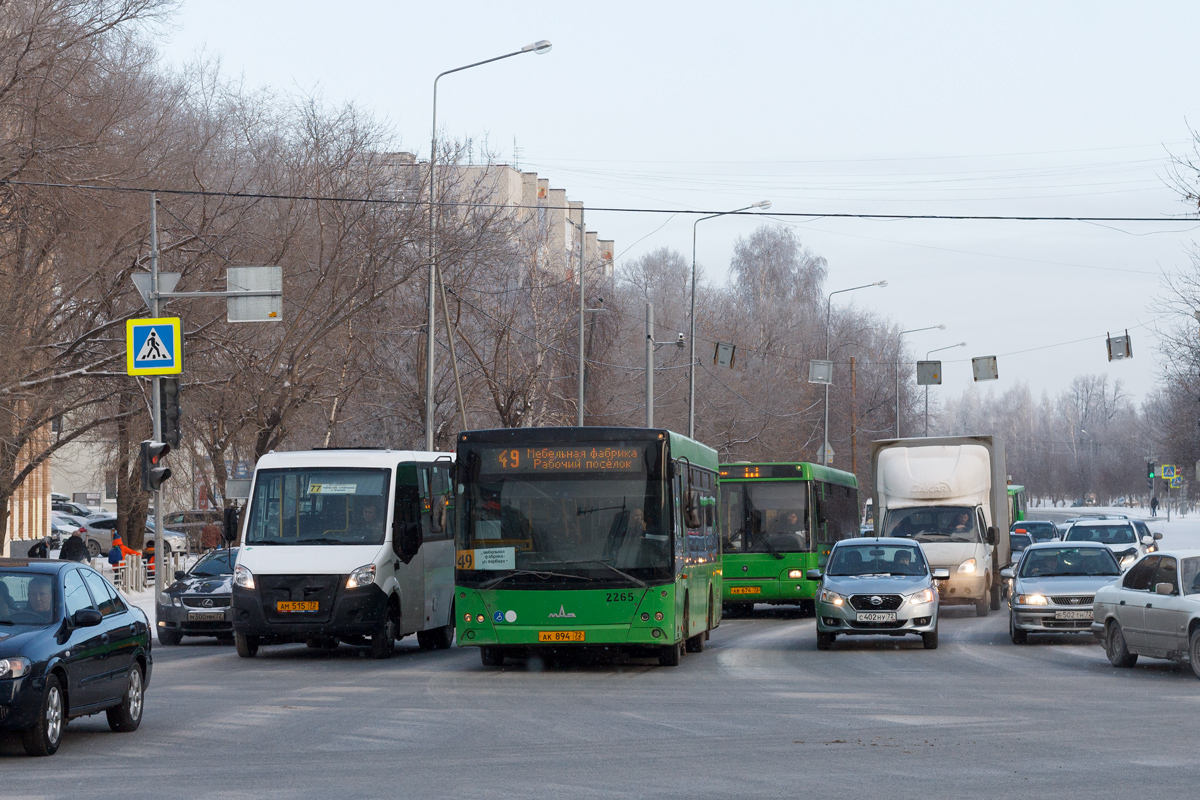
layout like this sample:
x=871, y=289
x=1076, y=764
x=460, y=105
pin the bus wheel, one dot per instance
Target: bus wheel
x=491, y=656
x=671, y=655
x=247, y=646
x=695, y=644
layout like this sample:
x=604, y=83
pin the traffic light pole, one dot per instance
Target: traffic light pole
x=156, y=393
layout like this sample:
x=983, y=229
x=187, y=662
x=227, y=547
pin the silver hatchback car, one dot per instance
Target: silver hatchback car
x=877, y=587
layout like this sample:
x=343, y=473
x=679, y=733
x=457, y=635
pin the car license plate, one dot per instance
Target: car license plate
x=206, y=616
x=560, y=636
x=745, y=590
x=876, y=616
x=296, y=605
x=1073, y=614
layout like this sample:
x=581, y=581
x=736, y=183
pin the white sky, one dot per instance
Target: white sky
x=949, y=108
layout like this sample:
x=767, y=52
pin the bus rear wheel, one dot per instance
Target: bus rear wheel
x=491, y=656
x=671, y=655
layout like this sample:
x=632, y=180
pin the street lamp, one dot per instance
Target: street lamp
x=825, y=459
x=540, y=47
x=763, y=204
x=927, y=355
x=898, y=338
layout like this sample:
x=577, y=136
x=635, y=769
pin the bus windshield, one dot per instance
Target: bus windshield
x=551, y=516
x=318, y=506
x=765, y=517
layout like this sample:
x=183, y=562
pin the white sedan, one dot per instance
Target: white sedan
x=1153, y=611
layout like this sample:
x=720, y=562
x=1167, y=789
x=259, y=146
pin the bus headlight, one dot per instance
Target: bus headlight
x=363, y=576
x=795, y=573
x=243, y=578
x=967, y=566
x=831, y=597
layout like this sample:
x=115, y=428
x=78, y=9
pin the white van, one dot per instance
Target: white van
x=346, y=546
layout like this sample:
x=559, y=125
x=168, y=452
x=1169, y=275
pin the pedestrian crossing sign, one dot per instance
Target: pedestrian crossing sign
x=154, y=346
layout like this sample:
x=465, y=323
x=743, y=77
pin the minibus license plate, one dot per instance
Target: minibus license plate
x=745, y=590
x=296, y=605
x=560, y=636
x=876, y=616
x=1073, y=614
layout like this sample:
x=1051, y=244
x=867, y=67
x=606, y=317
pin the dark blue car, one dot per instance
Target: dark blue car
x=69, y=647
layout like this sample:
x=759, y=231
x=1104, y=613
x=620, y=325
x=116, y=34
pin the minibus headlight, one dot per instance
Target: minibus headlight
x=967, y=566
x=363, y=576
x=243, y=578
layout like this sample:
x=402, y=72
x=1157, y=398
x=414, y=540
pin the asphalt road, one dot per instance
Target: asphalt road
x=761, y=713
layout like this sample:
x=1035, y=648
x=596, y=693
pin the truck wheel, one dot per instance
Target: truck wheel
x=1017, y=635
x=995, y=598
x=45, y=736
x=981, y=606
x=1116, y=649
x=491, y=656
x=247, y=646
x=671, y=655
x=825, y=640
x=929, y=640
x=126, y=717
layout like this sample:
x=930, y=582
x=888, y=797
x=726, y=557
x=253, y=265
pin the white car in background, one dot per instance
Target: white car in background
x=1119, y=535
x=100, y=535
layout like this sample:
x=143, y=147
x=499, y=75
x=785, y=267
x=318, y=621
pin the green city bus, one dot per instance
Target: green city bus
x=779, y=520
x=575, y=537
x=1016, y=503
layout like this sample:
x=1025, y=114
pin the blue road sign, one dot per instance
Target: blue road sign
x=154, y=346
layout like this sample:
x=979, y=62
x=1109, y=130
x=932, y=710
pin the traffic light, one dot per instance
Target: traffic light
x=171, y=412
x=153, y=470
x=1150, y=474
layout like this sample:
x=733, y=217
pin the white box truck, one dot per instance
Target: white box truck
x=949, y=493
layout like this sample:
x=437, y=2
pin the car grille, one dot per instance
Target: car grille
x=1072, y=600
x=212, y=602
x=321, y=588
x=862, y=602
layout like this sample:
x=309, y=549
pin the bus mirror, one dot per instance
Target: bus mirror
x=691, y=511
x=437, y=514
x=230, y=525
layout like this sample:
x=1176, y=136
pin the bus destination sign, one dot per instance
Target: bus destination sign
x=598, y=458
x=752, y=471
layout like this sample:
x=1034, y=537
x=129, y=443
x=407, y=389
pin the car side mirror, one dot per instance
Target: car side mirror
x=992, y=534
x=86, y=618
x=229, y=527
x=1164, y=588
x=1004, y=573
x=1157, y=536
x=941, y=574
x=1147, y=540
x=180, y=575
x=814, y=575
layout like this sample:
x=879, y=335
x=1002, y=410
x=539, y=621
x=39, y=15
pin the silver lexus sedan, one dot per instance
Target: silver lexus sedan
x=877, y=587
x=1053, y=587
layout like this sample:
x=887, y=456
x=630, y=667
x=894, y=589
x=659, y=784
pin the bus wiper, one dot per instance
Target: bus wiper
x=579, y=512
x=620, y=572
x=762, y=538
x=534, y=572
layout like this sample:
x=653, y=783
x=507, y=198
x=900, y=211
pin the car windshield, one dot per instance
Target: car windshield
x=1055, y=561
x=870, y=559
x=318, y=506
x=1019, y=541
x=933, y=524
x=26, y=598
x=761, y=517
x=219, y=562
x=1104, y=534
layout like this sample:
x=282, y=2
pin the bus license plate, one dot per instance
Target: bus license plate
x=876, y=616
x=560, y=636
x=296, y=605
x=1073, y=614
x=745, y=590
x=206, y=616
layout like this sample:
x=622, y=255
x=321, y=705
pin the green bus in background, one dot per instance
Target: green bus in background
x=577, y=537
x=778, y=521
x=1017, y=503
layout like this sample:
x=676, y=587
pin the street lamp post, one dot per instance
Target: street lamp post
x=538, y=47
x=898, y=338
x=825, y=459
x=927, y=355
x=763, y=204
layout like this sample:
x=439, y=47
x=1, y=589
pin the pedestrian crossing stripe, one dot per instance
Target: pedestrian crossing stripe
x=154, y=346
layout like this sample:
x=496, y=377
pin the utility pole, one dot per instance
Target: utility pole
x=853, y=420
x=582, y=309
x=649, y=365
x=157, y=402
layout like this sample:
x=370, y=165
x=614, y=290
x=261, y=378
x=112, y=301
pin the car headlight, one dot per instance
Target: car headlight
x=831, y=597
x=795, y=573
x=177, y=601
x=923, y=596
x=1031, y=600
x=363, y=576
x=1126, y=561
x=967, y=566
x=242, y=577
x=14, y=667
